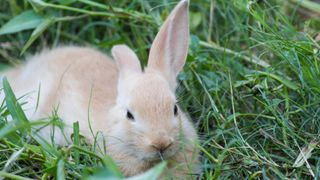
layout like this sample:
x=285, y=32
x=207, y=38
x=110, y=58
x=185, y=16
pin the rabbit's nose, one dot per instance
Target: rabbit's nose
x=162, y=145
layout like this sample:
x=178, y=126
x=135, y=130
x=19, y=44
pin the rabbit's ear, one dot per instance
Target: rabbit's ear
x=126, y=60
x=169, y=49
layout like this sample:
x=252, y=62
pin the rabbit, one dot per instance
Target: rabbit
x=135, y=111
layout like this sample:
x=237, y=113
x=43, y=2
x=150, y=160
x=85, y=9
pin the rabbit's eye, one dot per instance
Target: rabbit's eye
x=130, y=116
x=175, y=110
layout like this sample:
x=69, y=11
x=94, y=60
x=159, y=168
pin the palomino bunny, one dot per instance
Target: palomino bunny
x=135, y=111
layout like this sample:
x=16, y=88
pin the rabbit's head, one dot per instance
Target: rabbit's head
x=149, y=121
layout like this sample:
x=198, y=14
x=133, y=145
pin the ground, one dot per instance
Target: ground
x=251, y=83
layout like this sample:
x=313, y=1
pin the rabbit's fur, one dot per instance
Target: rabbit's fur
x=135, y=111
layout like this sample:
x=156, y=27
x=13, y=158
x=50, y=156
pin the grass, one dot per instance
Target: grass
x=251, y=83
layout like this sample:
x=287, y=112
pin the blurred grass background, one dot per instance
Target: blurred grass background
x=251, y=82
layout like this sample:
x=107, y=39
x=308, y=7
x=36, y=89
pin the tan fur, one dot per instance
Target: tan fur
x=87, y=86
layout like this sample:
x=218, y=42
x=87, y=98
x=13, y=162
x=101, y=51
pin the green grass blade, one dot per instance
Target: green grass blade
x=26, y=20
x=283, y=80
x=60, y=170
x=37, y=32
x=111, y=165
x=12, y=176
x=76, y=141
x=13, y=159
x=152, y=174
x=314, y=6
x=13, y=106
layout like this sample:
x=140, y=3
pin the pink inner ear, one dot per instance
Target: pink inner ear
x=157, y=54
x=179, y=37
x=169, y=49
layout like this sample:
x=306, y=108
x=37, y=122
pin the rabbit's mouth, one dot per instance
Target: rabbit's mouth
x=157, y=156
x=154, y=158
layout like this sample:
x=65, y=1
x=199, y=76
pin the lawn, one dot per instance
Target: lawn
x=251, y=83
